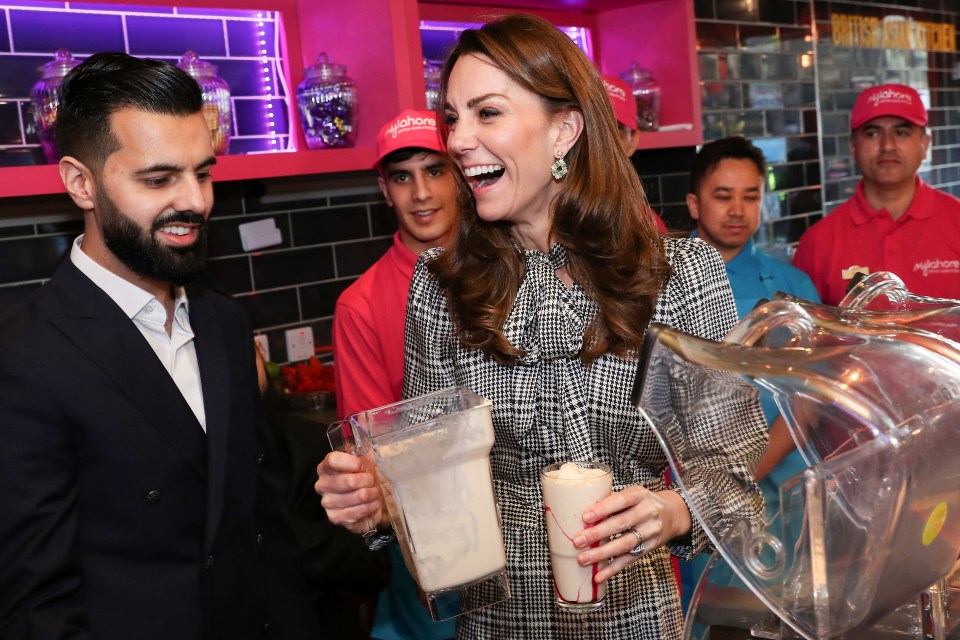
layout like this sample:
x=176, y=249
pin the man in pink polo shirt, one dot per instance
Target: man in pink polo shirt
x=625, y=110
x=895, y=222
x=417, y=180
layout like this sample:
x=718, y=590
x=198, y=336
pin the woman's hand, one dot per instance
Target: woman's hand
x=350, y=492
x=656, y=517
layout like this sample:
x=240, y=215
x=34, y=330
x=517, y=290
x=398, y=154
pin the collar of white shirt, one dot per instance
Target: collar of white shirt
x=128, y=296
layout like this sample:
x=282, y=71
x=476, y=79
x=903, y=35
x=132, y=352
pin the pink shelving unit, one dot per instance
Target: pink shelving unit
x=379, y=42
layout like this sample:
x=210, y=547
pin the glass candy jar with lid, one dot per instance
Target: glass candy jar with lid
x=646, y=91
x=217, y=109
x=431, y=78
x=45, y=96
x=327, y=101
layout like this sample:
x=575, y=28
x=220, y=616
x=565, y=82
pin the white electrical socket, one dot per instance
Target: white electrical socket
x=259, y=234
x=299, y=343
x=264, y=345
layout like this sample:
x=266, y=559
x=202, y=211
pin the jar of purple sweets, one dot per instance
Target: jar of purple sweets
x=327, y=101
x=45, y=96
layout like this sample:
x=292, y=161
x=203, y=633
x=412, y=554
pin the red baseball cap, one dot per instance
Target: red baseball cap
x=624, y=104
x=896, y=100
x=409, y=129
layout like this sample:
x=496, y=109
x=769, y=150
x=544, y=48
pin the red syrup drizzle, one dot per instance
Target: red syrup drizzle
x=594, y=568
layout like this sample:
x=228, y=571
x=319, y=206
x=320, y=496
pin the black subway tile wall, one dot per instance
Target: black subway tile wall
x=756, y=63
x=759, y=72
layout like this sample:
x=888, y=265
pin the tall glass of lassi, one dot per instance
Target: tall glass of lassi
x=569, y=488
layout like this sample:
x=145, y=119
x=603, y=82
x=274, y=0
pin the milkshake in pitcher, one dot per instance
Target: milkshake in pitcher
x=569, y=488
x=432, y=457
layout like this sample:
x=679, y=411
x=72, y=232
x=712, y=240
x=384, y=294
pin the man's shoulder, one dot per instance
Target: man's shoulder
x=839, y=216
x=783, y=269
x=363, y=289
x=945, y=202
x=21, y=318
x=826, y=228
x=219, y=301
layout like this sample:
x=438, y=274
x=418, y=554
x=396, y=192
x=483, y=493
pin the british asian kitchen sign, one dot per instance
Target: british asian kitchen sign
x=892, y=32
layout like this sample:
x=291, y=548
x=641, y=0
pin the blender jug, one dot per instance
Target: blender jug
x=875, y=519
x=881, y=300
x=432, y=457
x=883, y=297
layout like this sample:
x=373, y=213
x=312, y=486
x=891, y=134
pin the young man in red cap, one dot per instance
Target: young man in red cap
x=417, y=180
x=625, y=110
x=895, y=222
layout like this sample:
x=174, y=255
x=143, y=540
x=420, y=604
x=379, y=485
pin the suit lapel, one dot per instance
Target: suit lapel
x=99, y=328
x=216, y=376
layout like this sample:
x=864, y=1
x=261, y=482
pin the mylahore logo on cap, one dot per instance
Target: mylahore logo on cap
x=411, y=123
x=615, y=91
x=890, y=95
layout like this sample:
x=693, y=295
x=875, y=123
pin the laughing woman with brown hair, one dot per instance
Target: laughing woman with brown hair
x=542, y=305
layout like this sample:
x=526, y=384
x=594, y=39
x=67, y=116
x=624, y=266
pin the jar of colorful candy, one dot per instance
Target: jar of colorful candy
x=327, y=101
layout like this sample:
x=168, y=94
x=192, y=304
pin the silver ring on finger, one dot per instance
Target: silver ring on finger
x=637, y=550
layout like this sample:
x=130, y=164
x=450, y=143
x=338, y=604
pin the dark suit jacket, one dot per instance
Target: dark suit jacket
x=119, y=517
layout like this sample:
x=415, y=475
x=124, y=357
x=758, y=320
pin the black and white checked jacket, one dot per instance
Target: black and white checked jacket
x=550, y=407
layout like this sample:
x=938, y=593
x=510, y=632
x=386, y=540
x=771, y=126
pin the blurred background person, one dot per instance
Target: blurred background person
x=625, y=110
x=725, y=200
x=895, y=221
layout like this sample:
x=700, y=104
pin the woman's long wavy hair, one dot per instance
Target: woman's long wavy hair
x=600, y=216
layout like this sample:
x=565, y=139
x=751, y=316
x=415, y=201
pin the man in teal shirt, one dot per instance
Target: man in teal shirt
x=725, y=200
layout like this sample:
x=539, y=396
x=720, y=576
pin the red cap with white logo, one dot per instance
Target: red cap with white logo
x=624, y=104
x=409, y=129
x=897, y=100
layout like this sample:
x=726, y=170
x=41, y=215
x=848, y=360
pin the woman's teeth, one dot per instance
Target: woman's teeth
x=472, y=172
x=484, y=174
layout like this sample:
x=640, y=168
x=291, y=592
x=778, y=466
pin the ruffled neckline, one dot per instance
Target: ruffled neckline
x=546, y=320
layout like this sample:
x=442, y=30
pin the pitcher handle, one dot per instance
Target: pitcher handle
x=872, y=285
x=767, y=317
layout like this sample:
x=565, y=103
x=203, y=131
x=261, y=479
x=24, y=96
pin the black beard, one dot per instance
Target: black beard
x=143, y=253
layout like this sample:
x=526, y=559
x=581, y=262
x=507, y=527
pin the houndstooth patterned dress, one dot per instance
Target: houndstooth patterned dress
x=550, y=408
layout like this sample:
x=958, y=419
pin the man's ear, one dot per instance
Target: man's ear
x=383, y=190
x=78, y=180
x=693, y=206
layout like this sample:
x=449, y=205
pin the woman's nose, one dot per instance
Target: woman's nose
x=460, y=139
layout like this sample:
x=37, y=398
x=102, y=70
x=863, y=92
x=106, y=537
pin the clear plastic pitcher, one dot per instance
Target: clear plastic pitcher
x=432, y=456
x=875, y=519
x=881, y=302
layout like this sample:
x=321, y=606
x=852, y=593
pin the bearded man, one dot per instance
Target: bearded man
x=134, y=503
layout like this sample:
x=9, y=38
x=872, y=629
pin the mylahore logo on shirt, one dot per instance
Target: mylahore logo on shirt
x=937, y=266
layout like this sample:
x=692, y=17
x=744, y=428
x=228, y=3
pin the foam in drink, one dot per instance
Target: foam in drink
x=569, y=488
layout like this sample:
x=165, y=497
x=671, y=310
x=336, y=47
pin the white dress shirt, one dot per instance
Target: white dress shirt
x=176, y=351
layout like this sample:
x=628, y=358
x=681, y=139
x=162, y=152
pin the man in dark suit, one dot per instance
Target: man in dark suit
x=133, y=499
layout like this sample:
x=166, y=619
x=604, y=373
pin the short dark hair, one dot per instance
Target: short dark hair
x=736, y=147
x=109, y=82
x=404, y=154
